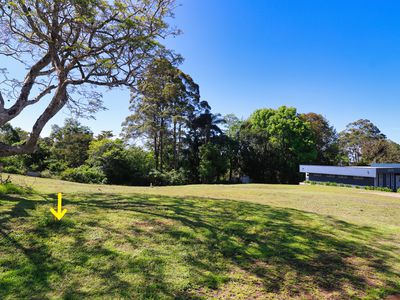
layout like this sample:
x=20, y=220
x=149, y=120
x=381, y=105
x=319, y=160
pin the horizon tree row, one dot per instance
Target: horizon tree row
x=267, y=147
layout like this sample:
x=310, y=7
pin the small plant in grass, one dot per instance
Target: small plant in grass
x=10, y=188
x=46, y=221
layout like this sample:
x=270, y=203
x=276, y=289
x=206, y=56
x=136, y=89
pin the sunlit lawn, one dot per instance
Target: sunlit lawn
x=120, y=242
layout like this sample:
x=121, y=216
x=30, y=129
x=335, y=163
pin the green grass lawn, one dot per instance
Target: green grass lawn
x=201, y=241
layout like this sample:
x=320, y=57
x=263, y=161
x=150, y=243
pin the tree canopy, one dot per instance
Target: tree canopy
x=69, y=47
x=358, y=139
x=283, y=138
x=325, y=138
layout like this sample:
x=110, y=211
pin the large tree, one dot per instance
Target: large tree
x=325, y=137
x=162, y=103
x=70, y=143
x=287, y=140
x=361, y=141
x=203, y=128
x=70, y=46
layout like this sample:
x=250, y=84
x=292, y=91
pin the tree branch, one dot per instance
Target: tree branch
x=1, y=102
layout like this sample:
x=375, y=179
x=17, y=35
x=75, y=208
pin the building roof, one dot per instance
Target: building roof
x=386, y=165
x=363, y=171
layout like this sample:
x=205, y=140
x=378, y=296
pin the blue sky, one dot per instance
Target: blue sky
x=337, y=58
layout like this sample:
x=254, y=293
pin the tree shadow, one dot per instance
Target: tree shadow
x=286, y=251
x=325, y=255
x=30, y=269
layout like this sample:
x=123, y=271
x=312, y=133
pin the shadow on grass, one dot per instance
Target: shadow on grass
x=161, y=247
x=32, y=272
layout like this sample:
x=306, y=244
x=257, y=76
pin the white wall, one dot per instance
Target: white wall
x=345, y=171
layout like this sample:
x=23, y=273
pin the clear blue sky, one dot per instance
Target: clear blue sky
x=337, y=58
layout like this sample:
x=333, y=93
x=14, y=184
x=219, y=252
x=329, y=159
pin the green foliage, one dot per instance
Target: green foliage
x=361, y=142
x=275, y=142
x=10, y=188
x=71, y=142
x=56, y=166
x=325, y=138
x=84, y=174
x=173, y=177
x=213, y=163
x=46, y=174
x=40, y=159
x=13, y=165
x=9, y=135
x=268, y=147
x=377, y=188
x=164, y=100
x=119, y=164
x=331, y=184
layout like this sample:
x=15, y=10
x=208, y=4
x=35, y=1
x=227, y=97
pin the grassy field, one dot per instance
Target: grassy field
x=199, y=242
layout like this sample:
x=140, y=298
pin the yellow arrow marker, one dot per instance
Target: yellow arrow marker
x=59, y=213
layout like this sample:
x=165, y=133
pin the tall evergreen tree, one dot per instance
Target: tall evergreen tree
x=164, y=100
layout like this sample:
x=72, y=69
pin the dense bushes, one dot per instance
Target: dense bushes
x=119, y=164
x=13, y=165
x=84, y=174
x=168, y=178
x=72, y=153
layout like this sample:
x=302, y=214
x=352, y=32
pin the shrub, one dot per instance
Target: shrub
x=377, y=188
x=46, y=174
x=13, y=165
x=121, y=165
x=11, y=188
x=172, y=177
x=56, y=166
x=14, y=170
x=84, y=174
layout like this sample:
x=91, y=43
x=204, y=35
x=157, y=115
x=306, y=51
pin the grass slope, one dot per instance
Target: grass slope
x=141, y=243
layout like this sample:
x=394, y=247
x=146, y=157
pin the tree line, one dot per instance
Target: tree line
x=172, y=137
